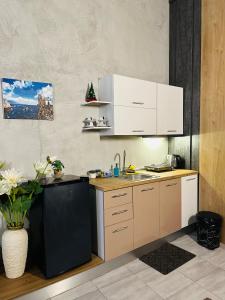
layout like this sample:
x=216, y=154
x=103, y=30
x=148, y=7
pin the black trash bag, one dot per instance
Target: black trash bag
x=208, y=229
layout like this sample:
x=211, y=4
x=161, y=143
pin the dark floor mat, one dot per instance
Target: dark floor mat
x=167, y=258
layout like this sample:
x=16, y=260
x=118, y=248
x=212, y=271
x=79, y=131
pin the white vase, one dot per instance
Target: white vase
x=14, y=252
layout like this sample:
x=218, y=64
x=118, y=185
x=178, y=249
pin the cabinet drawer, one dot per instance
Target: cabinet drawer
x=118, y=214
x=117, y=197
x=118, y=239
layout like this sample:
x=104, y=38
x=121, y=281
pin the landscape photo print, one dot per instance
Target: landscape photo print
x=23, y=99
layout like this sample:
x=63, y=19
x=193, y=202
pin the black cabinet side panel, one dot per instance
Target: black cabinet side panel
x=185, y=35
x=196, y=85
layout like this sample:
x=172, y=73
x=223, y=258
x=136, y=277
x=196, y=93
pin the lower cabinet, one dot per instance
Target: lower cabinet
x=118, y=214
x=146, y=213
x=170, y=206
x=131, y=217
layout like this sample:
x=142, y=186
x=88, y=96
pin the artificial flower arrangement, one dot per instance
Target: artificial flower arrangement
x=17, y=193
x=16, y=197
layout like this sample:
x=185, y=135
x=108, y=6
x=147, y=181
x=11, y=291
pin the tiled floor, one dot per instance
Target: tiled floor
x=201, y=278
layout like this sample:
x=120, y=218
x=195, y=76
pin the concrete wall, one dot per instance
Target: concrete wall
x=70, y=43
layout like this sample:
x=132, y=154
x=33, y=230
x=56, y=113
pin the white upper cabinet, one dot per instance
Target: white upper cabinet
x=127, y=91
x=169, y=110
x=140, y=107
x=189, y=199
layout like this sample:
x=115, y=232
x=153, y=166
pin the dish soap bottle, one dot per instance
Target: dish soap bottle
x=116, y=171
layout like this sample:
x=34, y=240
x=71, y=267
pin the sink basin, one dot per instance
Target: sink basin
x=137, y=177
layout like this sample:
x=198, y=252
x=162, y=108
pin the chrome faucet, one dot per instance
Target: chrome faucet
x=124, y=161
x=117, y=154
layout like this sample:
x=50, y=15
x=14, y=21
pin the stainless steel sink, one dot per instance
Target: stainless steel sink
x=138, y=177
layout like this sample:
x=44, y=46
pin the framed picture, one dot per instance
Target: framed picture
x=27, y=99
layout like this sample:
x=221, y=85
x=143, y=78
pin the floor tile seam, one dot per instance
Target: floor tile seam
x=215, y=264
x=175, y=292
x=180, y=290
x=87, y=294
x=102, y=294
x=101, y=288
x=76, y=286
x=131, y=274
x=146, y=284
x=207, y=290
x=154, y=291
x=203, y=276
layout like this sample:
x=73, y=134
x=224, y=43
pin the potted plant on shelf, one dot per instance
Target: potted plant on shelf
x=57, y=166
x=90, y=94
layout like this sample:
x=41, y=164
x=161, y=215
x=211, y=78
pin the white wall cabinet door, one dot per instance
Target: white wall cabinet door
x=134, y=121
x=134, y=92
x=128, y=91
x=189, y=198
x=169, y=110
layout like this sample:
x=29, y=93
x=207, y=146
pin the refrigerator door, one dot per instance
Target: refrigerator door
x=67, y=228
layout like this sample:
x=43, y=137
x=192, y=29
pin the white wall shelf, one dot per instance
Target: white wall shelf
x=95, y=103
x=95, y=128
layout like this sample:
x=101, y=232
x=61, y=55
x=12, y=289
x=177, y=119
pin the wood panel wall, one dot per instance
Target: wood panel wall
x=212, y=108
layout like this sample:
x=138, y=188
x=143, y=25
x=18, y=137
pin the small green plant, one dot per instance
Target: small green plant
x=57, y=165
x=90, y=94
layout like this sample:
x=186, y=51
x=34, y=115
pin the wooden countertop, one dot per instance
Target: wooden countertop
x=113, y=183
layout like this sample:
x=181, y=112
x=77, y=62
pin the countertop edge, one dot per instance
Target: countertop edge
x=120, y=183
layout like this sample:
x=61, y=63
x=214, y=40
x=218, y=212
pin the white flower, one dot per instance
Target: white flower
x=12, y=177
x=4, y=187
x=52, y=158
x=42, y=168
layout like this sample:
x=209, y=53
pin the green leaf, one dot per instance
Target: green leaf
x=33, y=187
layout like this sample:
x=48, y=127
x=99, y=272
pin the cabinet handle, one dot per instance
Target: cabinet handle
x=119, y=195
x=171, y=131
x=172, y=184
x=119, y=212
x=120, y=229
x=138, y=131
x=146, y=190
x=190, y=179
x=140, y=103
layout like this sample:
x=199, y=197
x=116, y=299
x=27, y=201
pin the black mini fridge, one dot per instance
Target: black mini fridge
x=60, y=226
